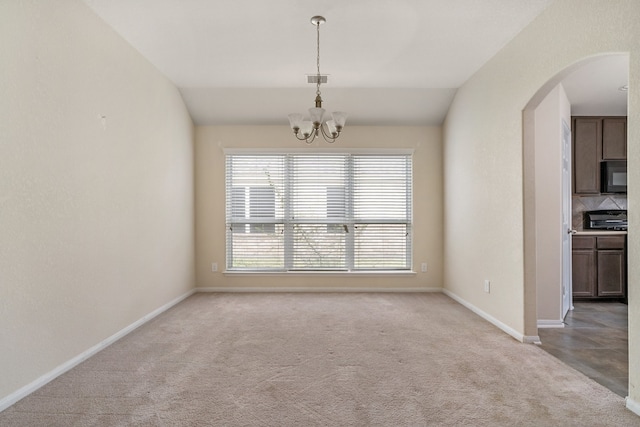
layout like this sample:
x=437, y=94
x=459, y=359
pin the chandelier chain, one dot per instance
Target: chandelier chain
x=318, y=57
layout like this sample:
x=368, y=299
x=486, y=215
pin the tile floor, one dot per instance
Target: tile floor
x=594, y=341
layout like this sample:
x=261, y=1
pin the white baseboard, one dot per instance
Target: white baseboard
x=632, y=405
x=313, y=289
x=486, y=316
x=532, y=339
x=69, y=364
x=550, y=324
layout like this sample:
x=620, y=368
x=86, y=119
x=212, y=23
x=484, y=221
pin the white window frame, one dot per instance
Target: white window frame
x=349, y=244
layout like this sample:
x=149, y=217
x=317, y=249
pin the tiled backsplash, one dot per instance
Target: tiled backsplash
x=580, y=204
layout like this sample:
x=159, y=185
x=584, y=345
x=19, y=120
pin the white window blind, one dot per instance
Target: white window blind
x=345, y=212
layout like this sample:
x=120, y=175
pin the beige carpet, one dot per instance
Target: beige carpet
x=320, y=360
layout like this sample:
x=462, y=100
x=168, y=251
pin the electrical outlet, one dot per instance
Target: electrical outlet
x=487, y=286
x=424, y=267
x=214, y=266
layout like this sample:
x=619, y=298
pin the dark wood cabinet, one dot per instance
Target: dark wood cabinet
x=587, y=149
x=611, y=267
x=614, y=138
x=596, y=139
x=599, y=267
x=583, y=265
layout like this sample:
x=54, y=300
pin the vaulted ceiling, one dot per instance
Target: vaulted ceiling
x=390, y=62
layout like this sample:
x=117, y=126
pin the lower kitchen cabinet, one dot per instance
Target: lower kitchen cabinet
x=584, y=267
x=599, y=267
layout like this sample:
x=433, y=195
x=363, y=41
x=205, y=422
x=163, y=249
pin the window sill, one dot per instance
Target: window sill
x=320, y=273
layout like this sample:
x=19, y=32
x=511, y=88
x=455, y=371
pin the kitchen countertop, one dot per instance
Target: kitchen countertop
x=600, y=233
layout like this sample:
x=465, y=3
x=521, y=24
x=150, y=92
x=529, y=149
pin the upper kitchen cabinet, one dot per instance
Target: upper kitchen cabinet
x=587, y=152
x=596, y=139
x=614, y=138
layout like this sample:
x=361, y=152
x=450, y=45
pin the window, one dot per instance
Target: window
x=262, y=202
x=310, y=212
x=336, y=207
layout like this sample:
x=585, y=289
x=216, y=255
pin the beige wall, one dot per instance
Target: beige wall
x=483, y=158
x=548, y=207
x=210, y=203
x=97, y=218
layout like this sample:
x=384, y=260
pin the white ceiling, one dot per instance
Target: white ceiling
x=593, y=89
x=390, y=62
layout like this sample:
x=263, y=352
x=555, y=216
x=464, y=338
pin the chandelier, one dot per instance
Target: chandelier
x=308, y=130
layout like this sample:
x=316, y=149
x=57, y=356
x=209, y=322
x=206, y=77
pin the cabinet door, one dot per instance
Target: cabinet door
x=587, y=148
x=614, y=138
x=611, y=273
x=583, y=267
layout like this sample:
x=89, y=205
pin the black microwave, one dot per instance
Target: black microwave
x=613, y=175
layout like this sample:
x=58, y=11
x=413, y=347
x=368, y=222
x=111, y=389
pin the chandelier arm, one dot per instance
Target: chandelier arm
x=325, y=134
x=311, y=137
x=307, y=140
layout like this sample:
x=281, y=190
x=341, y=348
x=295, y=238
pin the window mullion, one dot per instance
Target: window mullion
x=409, y=211
x=288, y=212
x=350, y=238
x=228, y=212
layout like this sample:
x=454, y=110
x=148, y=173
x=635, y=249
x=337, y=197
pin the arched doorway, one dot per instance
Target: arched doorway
x=547, y=289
